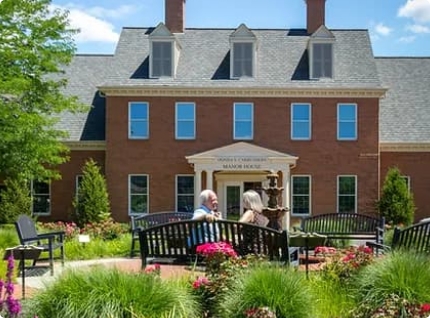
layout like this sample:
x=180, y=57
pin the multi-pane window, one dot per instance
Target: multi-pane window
x=243, y=121
x=301, y=195
x=347, y=122
x=322, y=60
x=41, y=196
x=138, y=190
x=138, y=120
x=243, y=59
x=162, y=52
x=347, y=194
x=185, y=193
x=185, y=121
x=301, y=121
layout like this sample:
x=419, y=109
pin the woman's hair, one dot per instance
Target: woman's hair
x=252, y=201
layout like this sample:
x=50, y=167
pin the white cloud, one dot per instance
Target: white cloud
x=417, y=28
x=119, y=12
x=382, y=29
x=92, y=29
x=407, y=39
x=418, y=10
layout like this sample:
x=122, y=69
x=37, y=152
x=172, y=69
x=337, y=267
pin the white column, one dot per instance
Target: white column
x=209, y=179
x=197, y=186
x=286, y=196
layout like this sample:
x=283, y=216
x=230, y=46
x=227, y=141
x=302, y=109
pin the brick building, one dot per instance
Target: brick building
x=176, y=110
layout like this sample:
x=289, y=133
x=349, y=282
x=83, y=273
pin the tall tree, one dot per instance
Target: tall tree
x=92, y=201
x=36, y=42
x=396, y=203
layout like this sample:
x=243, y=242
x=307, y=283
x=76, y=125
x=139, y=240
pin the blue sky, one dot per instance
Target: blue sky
x=397, y=27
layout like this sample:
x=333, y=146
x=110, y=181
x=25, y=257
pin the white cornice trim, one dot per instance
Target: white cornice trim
x=86, y=145
x=405, y=147
x=242, y=92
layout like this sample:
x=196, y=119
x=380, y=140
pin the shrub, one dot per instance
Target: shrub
x=14, y=200
x=399, y=279
x=280, y=292
x=91, y=202
x=347, y=263
x=70, y=229
x=107, y=229
x=396, y=203
x=105, y=292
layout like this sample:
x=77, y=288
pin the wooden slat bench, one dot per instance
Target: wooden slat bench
x=414, y=237
x=345, y=226
x=177, y=241
x=152, y=219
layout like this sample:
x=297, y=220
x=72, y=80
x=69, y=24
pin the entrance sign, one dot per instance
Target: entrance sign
x=240, y=163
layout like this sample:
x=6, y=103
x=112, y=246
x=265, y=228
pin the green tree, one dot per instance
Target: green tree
x=36, y=43
x=14, y=200
x=396, y=203
x=92, y=200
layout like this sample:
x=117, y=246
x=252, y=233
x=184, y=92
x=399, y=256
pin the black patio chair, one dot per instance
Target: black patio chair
x=47, y=242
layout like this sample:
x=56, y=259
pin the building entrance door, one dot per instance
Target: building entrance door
x=233, y=197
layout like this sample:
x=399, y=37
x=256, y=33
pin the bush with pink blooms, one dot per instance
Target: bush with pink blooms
x=344, y=264
x=221, y=264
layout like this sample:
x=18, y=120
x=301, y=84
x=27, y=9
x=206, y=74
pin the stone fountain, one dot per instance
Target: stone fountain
x=273, y=211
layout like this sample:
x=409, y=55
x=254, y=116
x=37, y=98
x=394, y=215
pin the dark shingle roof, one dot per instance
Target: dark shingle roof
x=282, y=60
x=405, y=111
x=84, y=74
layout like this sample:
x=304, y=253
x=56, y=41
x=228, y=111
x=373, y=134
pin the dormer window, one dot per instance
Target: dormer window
x=243, y=45
x=321, y=54
x=164, y=53
x=162, y=59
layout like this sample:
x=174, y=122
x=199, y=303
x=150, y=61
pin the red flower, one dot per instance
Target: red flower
x=425, y=308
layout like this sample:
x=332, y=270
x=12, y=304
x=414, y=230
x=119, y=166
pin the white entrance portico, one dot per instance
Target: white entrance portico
x=232, y=166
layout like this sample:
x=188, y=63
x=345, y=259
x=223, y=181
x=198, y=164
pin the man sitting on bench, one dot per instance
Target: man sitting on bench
x=207, y=211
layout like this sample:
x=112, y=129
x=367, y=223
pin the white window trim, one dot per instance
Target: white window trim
x=355, y=193
x=338, y=122
x=129, y=120
x=408, y=182
x=254, y=57
x=177, y=120
x=172, y=57
x=310, y=194
x=176, y=188
x=292, y=121
x=252, y=121
x=311, y=58
x=129, y=192
x=49, y=198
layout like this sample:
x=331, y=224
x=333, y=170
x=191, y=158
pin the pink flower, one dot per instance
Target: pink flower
x=200, y=281
x=209, y=249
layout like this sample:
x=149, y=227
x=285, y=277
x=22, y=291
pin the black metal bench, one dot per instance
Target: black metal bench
x=152, y=219
x=415, y=237
x=345, y=226
x=177, y=241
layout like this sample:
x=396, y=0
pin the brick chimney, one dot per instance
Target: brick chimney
x=315, y=15
x=174, y=15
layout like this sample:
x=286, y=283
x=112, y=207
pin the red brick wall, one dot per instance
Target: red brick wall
x=162, y=157
x=416, y=165
x=63, y=191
